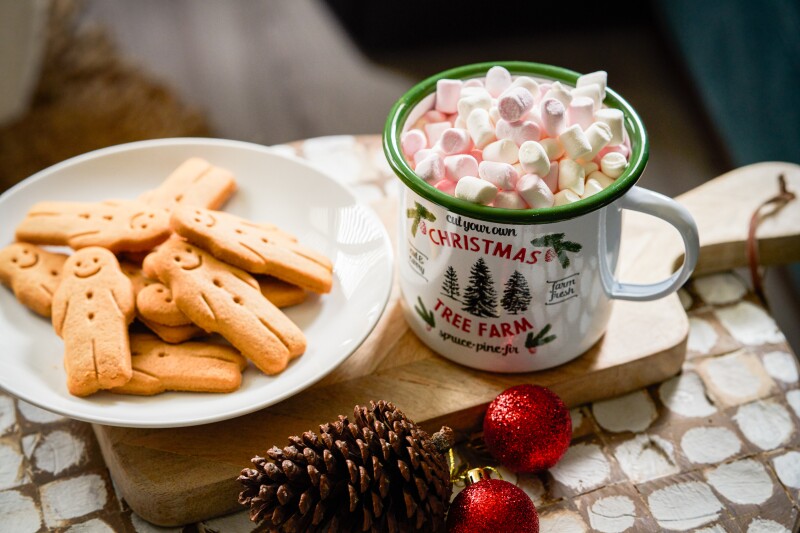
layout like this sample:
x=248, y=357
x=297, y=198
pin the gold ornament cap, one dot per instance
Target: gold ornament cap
x=476, y=474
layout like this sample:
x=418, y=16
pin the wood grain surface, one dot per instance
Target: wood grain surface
x=181, y=475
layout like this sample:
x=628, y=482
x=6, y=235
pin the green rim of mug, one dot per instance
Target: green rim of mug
x=404, y=106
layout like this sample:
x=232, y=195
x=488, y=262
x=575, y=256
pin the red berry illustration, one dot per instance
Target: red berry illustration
x=423, y=228
x=550, y=255
x=531, y=350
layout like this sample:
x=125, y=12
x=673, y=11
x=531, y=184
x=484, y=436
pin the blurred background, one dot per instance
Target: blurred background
x=714, y=82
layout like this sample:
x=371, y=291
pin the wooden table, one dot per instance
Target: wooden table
x=717, y=447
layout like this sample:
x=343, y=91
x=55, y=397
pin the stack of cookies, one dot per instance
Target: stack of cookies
x=177, y=265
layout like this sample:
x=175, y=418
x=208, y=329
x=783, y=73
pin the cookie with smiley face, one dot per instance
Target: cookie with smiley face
x=32, y=273
x=92, y=309
x=224, y=299
x=253, y=247
x=195, y=182
x=120, y=226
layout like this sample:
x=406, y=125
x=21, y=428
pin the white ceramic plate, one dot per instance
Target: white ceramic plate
x=272, y=187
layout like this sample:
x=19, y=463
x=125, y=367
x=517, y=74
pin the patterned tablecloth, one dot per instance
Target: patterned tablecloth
x=714, y=449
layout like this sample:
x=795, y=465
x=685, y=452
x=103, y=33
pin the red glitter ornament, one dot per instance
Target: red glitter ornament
x=527, y=428
x=492, y=506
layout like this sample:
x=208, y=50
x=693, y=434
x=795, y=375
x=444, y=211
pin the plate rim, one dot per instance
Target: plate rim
x=195, y=420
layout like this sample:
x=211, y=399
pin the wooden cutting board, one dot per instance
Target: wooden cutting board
x=183, y=475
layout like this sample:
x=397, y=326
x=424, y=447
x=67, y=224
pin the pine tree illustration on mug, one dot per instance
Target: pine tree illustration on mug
x=557, y=247
x=480, y=298
x=450, y=286
x=516, y=295
x=425, y=314
x=540, y=339
x=417, y=215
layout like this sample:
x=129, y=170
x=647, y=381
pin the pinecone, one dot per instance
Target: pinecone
x=378, y=473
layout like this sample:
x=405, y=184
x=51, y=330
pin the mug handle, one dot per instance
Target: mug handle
x=667, y=209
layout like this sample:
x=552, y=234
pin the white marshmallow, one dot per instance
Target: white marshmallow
x=615, y=120
x=422, y=154
x=474, y=90
x=553, y=115
x=480, y=128
x=494, y=114
x=570, y=176
x=509, y=200
x=533, y=158
x=474, y=82
x=455, y=141
x=514, y=104
x=475, y=190
x=591, y=188
x=501, y=175
x=574, y=141
x=600, y=178
x=503, y=151
x=498, y=79
x=458, y=166
x=526, y=82
x=613, y=164
x=552, y=148
x=460, y=122
x=434, y=130
x=519, y=132
x=581, y=111
x=447, y=94
x=412, y=142
x=560, y=93
x=431, y=169
x=565, y=197
x=543, y=88
x=592, y=91
x=535, y=191
x=590, y=167
x=599, y=135
x=479, y=99
x=600, y=78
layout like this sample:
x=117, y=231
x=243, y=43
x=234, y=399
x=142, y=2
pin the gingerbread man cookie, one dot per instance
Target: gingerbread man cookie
x=32, y=273
x=192, y=366
x=195, y=182
x=92, y=308
x=253, y=248
x=120, y=226
x=224, y=299
x=280, y=293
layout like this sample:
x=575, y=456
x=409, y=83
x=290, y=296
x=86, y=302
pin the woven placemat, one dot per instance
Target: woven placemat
x=88, y=97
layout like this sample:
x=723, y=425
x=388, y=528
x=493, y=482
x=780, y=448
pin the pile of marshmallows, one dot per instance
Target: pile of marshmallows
x=517, y=143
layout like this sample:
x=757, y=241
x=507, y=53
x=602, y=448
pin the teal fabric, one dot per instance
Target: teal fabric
x=744, y=59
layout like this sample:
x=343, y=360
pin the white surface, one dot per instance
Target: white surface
x=781, y=366
x=613, y=514
x=684, y=506
x=19, y=510
x=744, y=482
x=646, y=457
x=765, y=423
x=710, y=445
x=584, y=467
x=749, y=324
x=702, y=335
x=284, y=190
x=631, y=412
x=685, y=395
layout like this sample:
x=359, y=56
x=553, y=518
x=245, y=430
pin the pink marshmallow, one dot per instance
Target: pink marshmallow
x=519, y=132
x=515, y=104
x=501, y=175
x=553, y=115
x=434, y=131
x=581, y=112
x=474, y=82
x=434, y=116
x=620, y=149
x=455, y=141
x=458, y=166
x=431, y=169
x=543, y=88
x=447, y=187
x=551, y=180
x=412, y=142
x=447, y=94
x=477, y=154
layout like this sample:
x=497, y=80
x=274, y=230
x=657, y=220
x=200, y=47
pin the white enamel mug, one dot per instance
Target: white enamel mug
x=519, y=290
